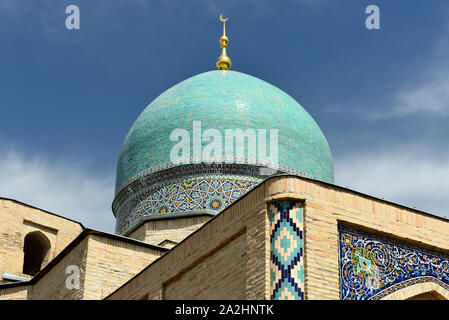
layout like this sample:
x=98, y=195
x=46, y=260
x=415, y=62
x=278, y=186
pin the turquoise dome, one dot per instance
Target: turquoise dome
x=224, y=100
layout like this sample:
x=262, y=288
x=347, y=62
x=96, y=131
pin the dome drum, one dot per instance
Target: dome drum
x=183, y=190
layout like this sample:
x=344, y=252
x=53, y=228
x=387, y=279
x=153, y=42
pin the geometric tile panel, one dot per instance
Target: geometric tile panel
x=286, y=250
x=212, y=193
x=372, y=267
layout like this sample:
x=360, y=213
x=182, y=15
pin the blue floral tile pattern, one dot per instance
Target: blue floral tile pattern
x=196, y=194
x=372, y=267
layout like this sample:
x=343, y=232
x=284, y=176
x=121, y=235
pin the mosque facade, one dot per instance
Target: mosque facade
x=225, y=190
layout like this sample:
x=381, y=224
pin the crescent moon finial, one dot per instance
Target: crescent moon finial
x=223, y=61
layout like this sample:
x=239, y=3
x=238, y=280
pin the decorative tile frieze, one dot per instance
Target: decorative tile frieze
x=286, y=250
x=371, y=267
x=202, y=193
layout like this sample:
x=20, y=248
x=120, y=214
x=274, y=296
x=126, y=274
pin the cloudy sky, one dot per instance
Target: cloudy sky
x=68, y=97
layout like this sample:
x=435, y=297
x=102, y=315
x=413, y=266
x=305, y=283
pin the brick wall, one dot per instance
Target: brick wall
x=52, y=286
x=228, y=257
x=104, y=265
x=17, y=220
x=327, y=206
x=174, y=229
x=225, y=259
x=110, y=263
x=17, y=293
x=212, y=272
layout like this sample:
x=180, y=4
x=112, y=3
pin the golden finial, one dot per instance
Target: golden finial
x=223, y=61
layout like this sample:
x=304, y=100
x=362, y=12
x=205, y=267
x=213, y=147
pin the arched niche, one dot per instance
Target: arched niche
x=35, y=248
x=421, y=291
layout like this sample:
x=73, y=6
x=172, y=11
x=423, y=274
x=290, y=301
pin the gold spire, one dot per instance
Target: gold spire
x=223, y=61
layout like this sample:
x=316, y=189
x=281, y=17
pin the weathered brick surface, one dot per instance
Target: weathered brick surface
x=174, y=229
x=53, y=284
x=228, y=257
x=225, y=259
x=214, y=271
x=110, y=263
x=18, y=293
x=105, y=264
x=17, y=220
x=189, y=269
x=327, y=206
